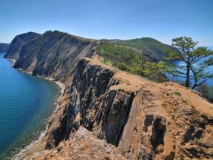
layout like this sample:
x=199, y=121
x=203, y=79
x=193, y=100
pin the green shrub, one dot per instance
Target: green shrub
x=128, y=59
x=177, y=93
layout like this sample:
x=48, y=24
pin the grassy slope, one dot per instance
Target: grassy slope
x=131, y=55
x=152, y=48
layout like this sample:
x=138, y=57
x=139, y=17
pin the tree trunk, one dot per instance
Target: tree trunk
x=187, y=75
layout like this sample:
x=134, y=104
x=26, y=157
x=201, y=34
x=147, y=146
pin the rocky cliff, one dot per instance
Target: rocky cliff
x=52, y=54
x=142, y=119
x=4, y=47
x=18, y=42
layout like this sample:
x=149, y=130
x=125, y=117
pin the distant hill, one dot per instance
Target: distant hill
x=17, y=43
x=152, y=48
x=132, y=55
x=4, y=47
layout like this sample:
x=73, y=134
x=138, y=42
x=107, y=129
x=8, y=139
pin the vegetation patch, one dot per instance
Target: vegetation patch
x=130, y=60
x=177, y=93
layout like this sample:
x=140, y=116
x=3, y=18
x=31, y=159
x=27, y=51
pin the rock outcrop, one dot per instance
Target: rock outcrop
x=81, y=145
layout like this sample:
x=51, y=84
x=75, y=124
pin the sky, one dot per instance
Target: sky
x=110, y=19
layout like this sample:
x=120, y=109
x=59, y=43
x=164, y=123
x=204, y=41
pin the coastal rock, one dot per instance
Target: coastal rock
x=56, y=57
x=18, y=42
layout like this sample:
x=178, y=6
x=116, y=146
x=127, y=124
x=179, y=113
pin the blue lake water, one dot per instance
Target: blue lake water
x=209, y=69
x=26, y=103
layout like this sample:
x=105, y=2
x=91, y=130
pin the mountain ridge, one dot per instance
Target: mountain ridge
x=18, y=42
x=63, y=51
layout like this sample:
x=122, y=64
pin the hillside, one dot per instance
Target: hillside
x=4, y=47
x=152, y=48
x=131, y=59
x=106, y=113
x=18, y=42
x=53, y=54
x=63, y=49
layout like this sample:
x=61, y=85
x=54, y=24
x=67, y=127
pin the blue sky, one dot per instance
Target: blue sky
x=120, y=19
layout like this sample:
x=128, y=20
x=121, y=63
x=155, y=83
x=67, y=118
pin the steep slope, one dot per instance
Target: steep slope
x=53, y=54
x=18, y=42
x=143, y=119
x=4, y=47
x=152, y=48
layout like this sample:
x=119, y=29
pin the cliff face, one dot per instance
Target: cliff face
x=4, y=47
x=94, y=106
x=53, y=54
x=18, y=42
x=144, y=120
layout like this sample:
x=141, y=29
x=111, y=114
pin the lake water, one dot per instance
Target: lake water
x=209, y=69
x=26, y=103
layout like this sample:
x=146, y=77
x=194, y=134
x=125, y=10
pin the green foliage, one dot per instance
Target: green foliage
x=152, y=48
x=154, y=71
x=123, y=58
x=130, y=60
x=177, y=93
x=191, y=56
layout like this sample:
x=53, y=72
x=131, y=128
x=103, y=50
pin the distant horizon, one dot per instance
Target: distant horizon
x=120, y=19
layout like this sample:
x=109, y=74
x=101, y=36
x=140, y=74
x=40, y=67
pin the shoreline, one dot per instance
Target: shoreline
x=42, y=134
x=13, y=61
